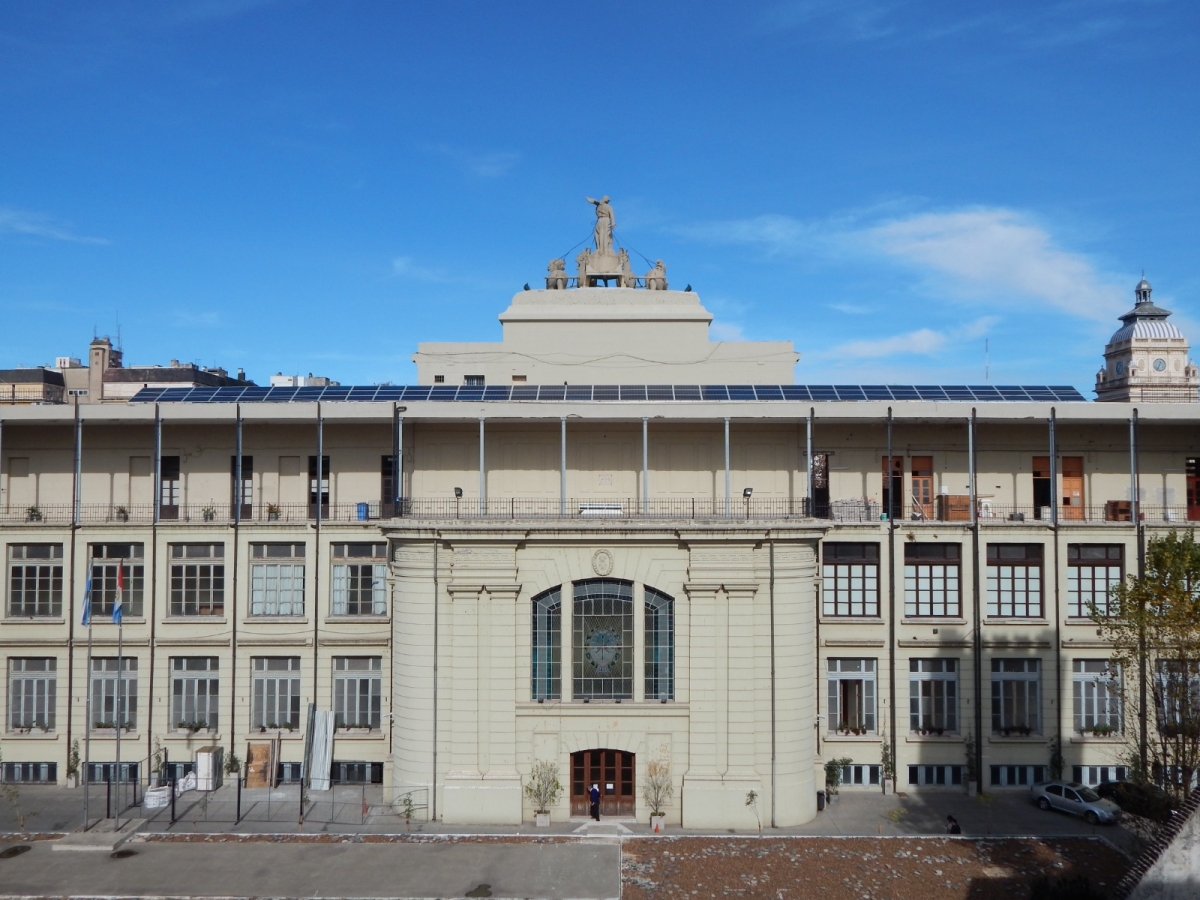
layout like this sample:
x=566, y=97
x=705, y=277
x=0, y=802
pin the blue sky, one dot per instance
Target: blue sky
x=315, y=187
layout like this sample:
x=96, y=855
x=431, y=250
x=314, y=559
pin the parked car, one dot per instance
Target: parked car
x=1076, y=799
x=1146, y=800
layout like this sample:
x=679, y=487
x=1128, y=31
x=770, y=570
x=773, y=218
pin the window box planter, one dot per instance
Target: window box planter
x=354, y=729
x=541, y=819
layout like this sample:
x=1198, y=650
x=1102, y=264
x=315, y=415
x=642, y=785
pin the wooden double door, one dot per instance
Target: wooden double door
x=612, y=771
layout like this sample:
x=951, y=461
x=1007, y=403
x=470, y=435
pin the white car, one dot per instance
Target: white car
x=1077, y=799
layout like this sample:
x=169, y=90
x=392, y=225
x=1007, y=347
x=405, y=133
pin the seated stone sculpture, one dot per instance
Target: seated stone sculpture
x=557, y=279
x=656, y=278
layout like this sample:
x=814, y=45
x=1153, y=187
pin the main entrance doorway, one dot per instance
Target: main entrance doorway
x=612, y=771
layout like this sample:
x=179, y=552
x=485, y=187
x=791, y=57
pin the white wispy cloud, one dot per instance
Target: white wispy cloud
x=922, y=342
x=40, y=225
x=850, y=309
x=481, y=164
x=726, y=331
x=406, y=267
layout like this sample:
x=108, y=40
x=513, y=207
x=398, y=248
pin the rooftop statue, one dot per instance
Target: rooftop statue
x=605, y=222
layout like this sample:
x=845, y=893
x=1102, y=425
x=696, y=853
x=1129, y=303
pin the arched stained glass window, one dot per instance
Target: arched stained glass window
x=603, y=640
x=546, y=656
x=660, y=645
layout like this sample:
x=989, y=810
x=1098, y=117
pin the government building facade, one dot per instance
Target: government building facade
x=603, y=541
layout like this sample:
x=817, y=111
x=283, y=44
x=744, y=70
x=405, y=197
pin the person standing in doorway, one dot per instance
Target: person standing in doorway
x=594, y=796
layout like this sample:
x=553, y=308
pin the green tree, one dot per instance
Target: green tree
x=1153, y=624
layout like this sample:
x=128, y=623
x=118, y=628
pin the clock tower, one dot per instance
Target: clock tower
x=1146, y=360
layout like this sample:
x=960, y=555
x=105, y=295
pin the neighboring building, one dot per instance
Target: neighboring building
x=37, y=385
x=745, y=580
x=1146, y=360
x=309, y=380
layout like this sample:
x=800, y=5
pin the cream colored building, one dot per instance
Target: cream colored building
x=694, y=565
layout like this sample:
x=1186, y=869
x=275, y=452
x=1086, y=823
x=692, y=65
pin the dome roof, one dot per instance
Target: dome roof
x=1145, y=320
x=1142, y=285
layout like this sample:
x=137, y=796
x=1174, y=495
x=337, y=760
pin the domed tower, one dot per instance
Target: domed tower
x=1146, y=360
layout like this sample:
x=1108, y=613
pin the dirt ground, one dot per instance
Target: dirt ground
x=859, y=868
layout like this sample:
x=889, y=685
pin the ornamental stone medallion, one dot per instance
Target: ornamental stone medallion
x=602, y=563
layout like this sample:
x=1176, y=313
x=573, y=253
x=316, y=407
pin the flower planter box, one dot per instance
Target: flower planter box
x=72, y=781
x=354, y=731
x=658, y=824
x=541, y=820
x=888, y=786
x=972, y=788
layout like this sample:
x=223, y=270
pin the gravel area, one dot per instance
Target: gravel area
x=859, y=868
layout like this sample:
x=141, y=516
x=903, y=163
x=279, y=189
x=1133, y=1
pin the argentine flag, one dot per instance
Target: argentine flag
x=120, y=591
x=87, y=603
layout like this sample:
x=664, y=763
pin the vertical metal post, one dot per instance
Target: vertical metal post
x=811, y=499
x=972, y=491
x=482, y=474
x=239, y=798
x=893, y=505
x=1053, y=470
x=398, y=467
x=120, y=719
x=1133, y=469
x=239, y=493
x=562, y=468
x=77, y=493
x=645, y=465
x=157, y=464
x=976, y=614
x=173, y=780
x=727, y=467
x=1135, y=514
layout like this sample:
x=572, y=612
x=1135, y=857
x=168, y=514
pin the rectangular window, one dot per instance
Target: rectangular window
x=100, y=773
x=32, y=687
x=660, y=645
x=168, y=487
x=1177, y=696
x=1011, y=776
x=356, y=772
x=106, y=560
x=197, y=579
x=29, y=773
x=35, y=579
x=1043, y=491
x=922, y=487
x=546, y=646
x=851, y=696
x=109, y=710
x=1016, y=696
x=245, y=496
x=860, y=774
x=893, y=488
x=1094, y=775
x=602, y=645
x=935, y=775
x=387, y=487
x=850, y=579
x=933, y=695
x=359, y=580
x=276, y=683
x=932, y=578
x=195, y=692
x=1014, y=580
x=277, y=579
x=314, y=488
x=1192, y=467
x=1091, y=570
x=473, y=379
x=357, y=691
x=1097, y=697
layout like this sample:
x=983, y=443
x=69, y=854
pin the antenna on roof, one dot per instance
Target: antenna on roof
x=987, y=362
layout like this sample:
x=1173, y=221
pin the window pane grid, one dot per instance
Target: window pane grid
x=850, y=589
x=851, y=697
x=32, y=686
x=195, y=692
x=276, y=692
x=105, y=711
x=1016, y=696
x=360, y=589
x=104, y=588
x=357, y=692
x=546, y=646
x=277, y=589
x=933, y=695
x=1014, y=589
x=1087, y=585
x=35, y=589
x=660, y=646
x=197, y=588
x=603, y=640
x=931, y=589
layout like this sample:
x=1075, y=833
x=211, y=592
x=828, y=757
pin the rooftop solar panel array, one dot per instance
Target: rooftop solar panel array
x=609, y=393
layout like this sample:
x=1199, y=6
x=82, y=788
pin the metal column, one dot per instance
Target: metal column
x=727, y=467
x=562, y=468
x=1053, y=470
x=482, y=474
x=239, y=492
x=811, y=500
x=645, y=465
x=77, y=492
x=157, y=463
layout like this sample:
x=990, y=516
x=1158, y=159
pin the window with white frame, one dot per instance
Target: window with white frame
x=197, y=579
x=29, y=773
x=932, y=577
x=1016, y=696
x=1096, y=689
x=660, y=645
x=359, y=580
x=850, y=579
x=195, y=692
x=1014, y=580
x=276, y=684
x=1094, y=775
x=860, y=774
x=851, y=695
x=277, y=579
x=114, y=692
x=1011, y=776
x=32, y=686
x=35, y=579
x=546, y=646
x=602, y=648
x=1177, y=696
x=1092, y=569
x=933, y=695
x=107, y=559
x=935, y=775
x=357, y=691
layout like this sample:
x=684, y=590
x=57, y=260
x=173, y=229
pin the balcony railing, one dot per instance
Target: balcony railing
x=592, y=509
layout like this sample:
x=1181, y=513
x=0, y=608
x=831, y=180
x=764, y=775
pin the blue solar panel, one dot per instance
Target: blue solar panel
x=584, y=393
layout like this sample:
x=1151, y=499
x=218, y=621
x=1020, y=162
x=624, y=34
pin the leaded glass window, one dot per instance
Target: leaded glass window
x=546, y=646
x=660, y=645
x=603, y=640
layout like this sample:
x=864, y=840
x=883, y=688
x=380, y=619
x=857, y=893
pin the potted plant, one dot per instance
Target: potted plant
x=209, y=513
x=121, y=513
x=833, y=776
x=887, y=763
x=33, y=514
x=73, y=764
x=972, y=769
x=407, y=808
x=657, y=789
x=272, y=512
x=543, y=789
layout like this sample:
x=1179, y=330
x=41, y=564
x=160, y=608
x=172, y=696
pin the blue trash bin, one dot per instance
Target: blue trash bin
x=363, y=511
